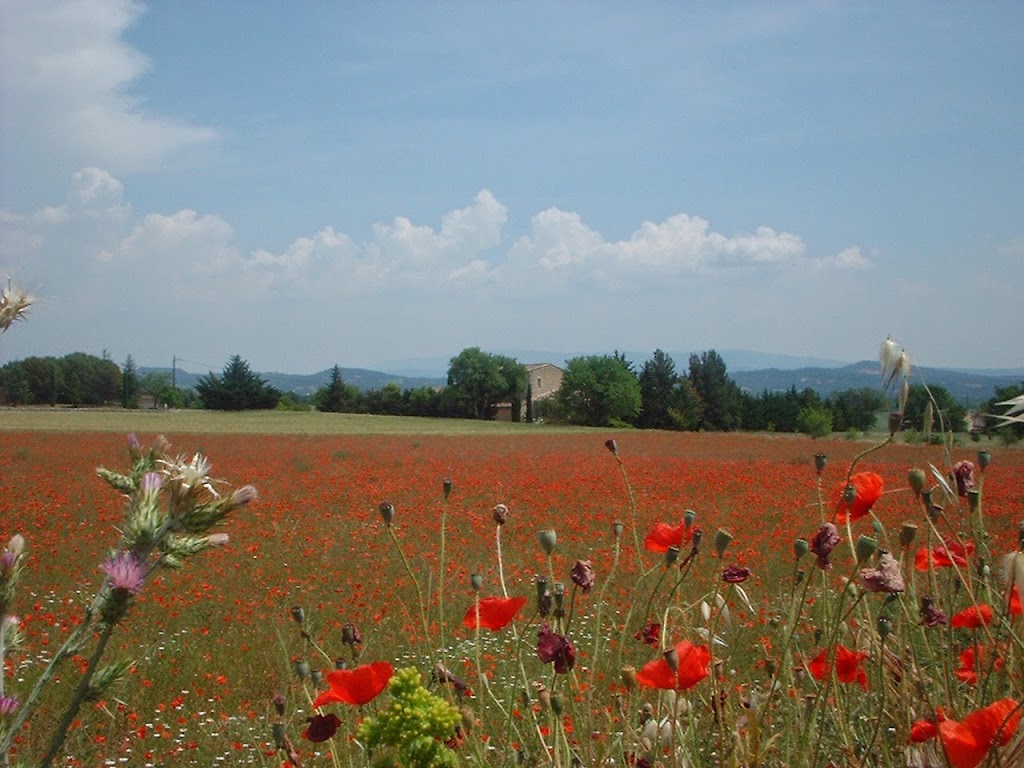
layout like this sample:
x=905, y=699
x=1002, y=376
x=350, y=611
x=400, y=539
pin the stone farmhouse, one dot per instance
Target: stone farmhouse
x=545, y=379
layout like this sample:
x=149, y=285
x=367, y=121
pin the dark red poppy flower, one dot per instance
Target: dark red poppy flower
x=735, y=574
x=930, y=615
x=555, y=648
x=968, y=742
x=823, y=543
x=953, y=553
x=867, y=488
x=972, y=617
x=583, y=575
x=694, y=664
x=496, y=613
x=321, y=727
x=848, y=666
x=356, y=686
x=963, y=475
x=650, y=634
x=663, y=536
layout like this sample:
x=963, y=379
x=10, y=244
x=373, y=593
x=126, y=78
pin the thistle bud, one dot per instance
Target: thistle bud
x=559, y=599
x=350, y=634
x=907, y=535
x=387, y=512
x=612, y=446
x=279, y=734
x=973, y=499
x=279, y=702
x=820, y=460
x=446, y=487
x=316, y=677
x=864, y=548
x=800, y=548
x=544, y=697
x=548, y=538
x=298, y=615
x=916, y=479
x=722, y=540
x=476, y=581
x=984, y=459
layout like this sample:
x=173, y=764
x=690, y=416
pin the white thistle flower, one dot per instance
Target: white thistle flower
x=14, y=305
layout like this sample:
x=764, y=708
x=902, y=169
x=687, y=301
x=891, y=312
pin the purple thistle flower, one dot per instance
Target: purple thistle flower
x=8, y=705
x=124, y=571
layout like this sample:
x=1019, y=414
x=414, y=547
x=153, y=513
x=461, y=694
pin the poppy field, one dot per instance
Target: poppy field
x=585, y=597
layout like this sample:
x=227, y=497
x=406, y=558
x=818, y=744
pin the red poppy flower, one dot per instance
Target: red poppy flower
x=972, y=617
x=356, y=686
x=969, y=665
x=321, y=727
x=495, y=612
x=694, y=665
x=1016, y=609
x=868, y=487
x=663, y=536
x=847, y=665
x=943, y=556
x=968, y=742
x=923, y=730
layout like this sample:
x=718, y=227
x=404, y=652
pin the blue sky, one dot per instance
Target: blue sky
x=313, y=183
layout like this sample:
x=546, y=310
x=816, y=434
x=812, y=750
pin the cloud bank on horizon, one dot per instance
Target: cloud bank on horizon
x=136, y=226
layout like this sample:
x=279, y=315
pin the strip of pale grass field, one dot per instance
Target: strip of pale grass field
x=253, y=423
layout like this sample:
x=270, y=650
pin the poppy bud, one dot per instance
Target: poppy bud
x=628, y=675
x=500, y=514
x=864, y=548
x=671, y=555
x=544, y=697
x=476, y=581
x=468, y=718
x=907, y=534
x=316, y=677
x=298, y=615
x=548, y=538
x=820, y=460
x=934, y=512
x=849, y=494
x=302, y=669
x=277, y=730
x=800, y=548
x=722, y=540
x=559, y=599
x=916, y=479
x=671, y=656
x=557, y=703
x=688, y=517
x=350, y=635
x=387, y=512
x=884, y=627
x=617, y=528
x=279, y=702
x=446, y=487
x=973, y=498
x=612, y=446
x=984, y=459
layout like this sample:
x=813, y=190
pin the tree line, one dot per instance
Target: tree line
x=596, y=390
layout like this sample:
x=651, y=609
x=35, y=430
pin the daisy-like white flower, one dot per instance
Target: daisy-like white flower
x=14, y=305
x=190, y=474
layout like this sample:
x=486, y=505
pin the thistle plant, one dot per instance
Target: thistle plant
x=171, y=508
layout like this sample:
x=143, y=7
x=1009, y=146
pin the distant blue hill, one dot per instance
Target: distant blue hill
x=307, y=384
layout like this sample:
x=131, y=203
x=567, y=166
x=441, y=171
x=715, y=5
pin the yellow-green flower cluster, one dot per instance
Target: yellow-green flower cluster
x=416, y=724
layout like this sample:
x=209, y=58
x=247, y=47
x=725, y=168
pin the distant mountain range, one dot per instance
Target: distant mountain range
x=755, y=372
